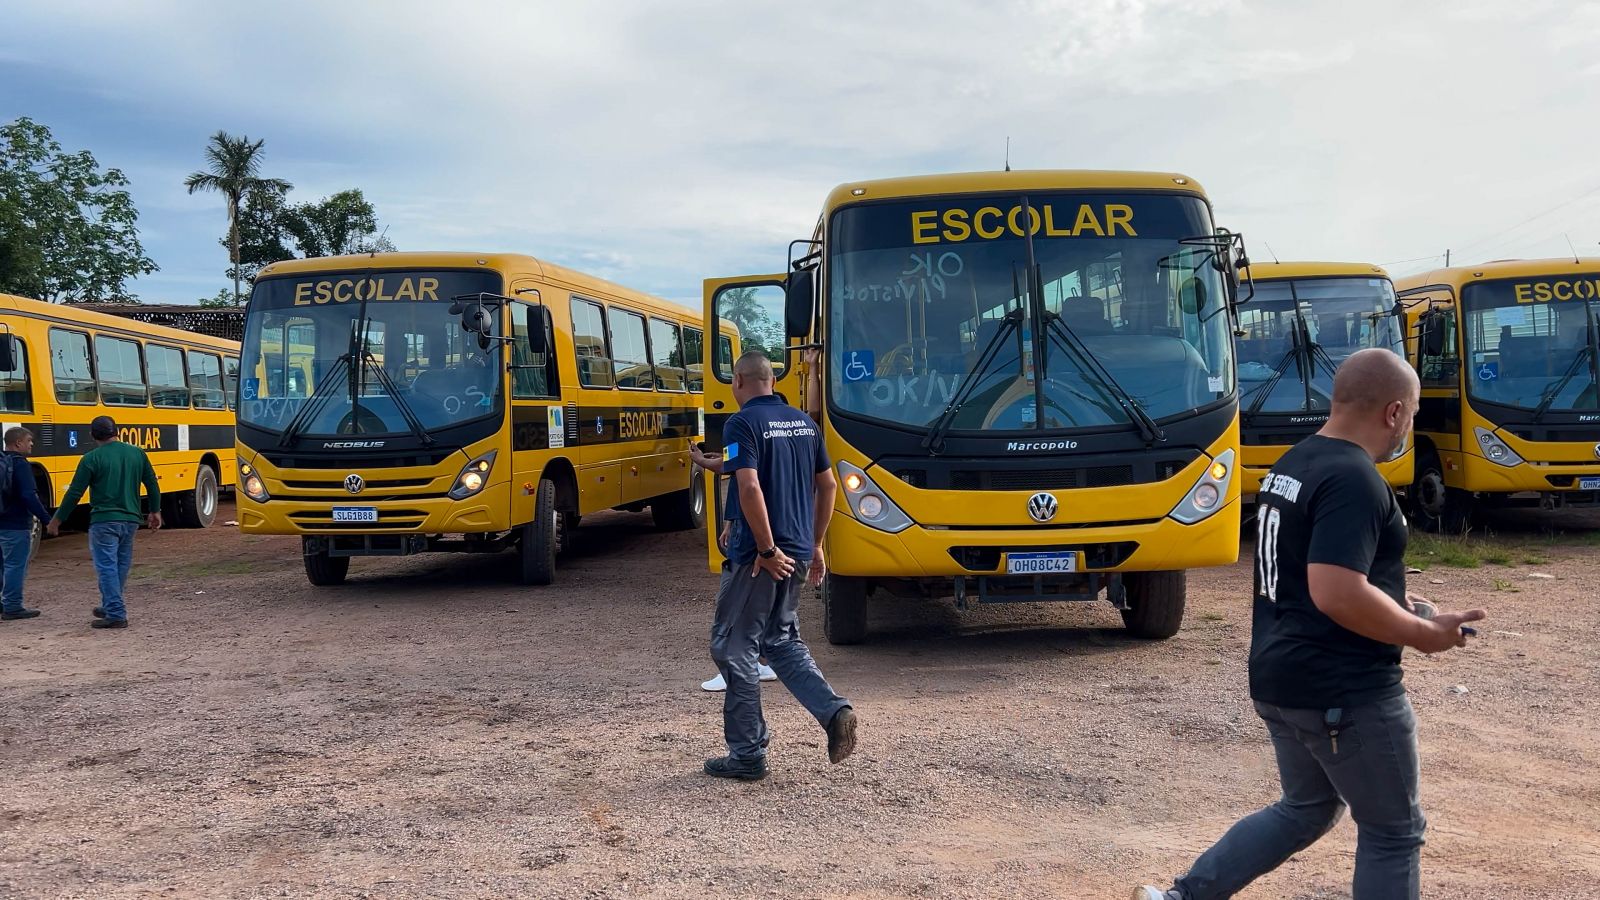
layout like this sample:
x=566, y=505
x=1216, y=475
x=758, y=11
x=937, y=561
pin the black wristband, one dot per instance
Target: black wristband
x=768, y=554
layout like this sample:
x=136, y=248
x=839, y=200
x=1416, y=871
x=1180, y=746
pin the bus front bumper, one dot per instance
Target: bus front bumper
x=1164, y=544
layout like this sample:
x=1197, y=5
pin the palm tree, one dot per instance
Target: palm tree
x=233, y=164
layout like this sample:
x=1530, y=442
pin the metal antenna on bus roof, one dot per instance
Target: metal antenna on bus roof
x=1008, y=153
x=1571, y=247
x=1270, y=251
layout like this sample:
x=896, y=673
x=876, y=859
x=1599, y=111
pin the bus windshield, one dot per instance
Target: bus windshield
x=411, y=365
x=1531, y=342
x=1340, y=315
x=927, y=295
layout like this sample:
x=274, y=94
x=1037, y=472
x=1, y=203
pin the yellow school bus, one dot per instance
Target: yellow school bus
x=170, y=391
x=1026, y=385
x=400, y=403
x=1507, y=354
x=1304, y=319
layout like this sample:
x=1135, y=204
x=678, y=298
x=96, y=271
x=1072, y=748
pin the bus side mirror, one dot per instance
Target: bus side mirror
x=8, y=352
x=799, y=303
x=538, y=335
x=477, y=320
x=1432, y=334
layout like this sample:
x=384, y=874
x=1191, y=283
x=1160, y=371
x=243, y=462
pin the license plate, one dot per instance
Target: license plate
x=355, y=514
x=1041, y=563
x=1589, y=484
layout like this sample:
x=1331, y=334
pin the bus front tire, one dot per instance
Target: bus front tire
x=323, y=570
x=197, y=508
x=1155, y=603
x=541, y=538
x=1436, y=507
x=681, y=510
x=844, y=609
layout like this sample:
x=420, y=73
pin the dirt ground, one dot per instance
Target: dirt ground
x=433, y=730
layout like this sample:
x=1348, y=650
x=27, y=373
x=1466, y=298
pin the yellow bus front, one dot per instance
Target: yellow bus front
x=1028, y=391
x=1302, y=321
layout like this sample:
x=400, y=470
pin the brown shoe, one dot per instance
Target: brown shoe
x=841, y=735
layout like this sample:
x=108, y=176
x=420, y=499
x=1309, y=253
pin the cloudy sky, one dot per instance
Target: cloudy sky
x=660, y=143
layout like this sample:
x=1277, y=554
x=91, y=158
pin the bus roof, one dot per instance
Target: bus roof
x=992, y=182
x=1457, y=276
x=1277, y=271
x=511, y=264
x=69, y=314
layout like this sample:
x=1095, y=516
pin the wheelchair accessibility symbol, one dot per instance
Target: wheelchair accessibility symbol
x=858, y=366
x=1489, y=371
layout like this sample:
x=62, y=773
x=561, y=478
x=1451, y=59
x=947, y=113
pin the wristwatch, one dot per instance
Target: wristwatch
x=768, y=554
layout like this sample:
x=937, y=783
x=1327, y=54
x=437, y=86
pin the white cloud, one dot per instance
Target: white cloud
x=657, y=144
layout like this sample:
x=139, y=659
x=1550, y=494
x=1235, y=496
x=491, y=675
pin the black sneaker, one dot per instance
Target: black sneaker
x=19, y=614
x=99, y=612
x=742, y=769
x=841, y=735
x=109, y=623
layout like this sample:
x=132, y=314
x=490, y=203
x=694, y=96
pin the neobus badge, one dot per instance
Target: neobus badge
x=344, y=290
x=990, y=222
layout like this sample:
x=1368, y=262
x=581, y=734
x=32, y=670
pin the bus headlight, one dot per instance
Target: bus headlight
x=1207, y=494
x=869, y=504
x=250, y=482
x=1496, y=450
x=474, y=475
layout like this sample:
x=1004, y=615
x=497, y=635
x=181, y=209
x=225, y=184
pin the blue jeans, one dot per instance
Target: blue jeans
x=111, y=544
x=760, y=617
x=1364, y=758
x=15, y=548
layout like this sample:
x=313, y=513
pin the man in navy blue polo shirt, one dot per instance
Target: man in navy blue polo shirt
x=785, y=489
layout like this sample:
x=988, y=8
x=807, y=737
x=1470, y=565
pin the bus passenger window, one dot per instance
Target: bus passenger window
x=725, y=357
x=168, y=388
x=230, y=380
x=205, y=376
x=121, y=371
x=629, y=355
x=15, y=393
x=667, y=355
x=589, y=344
x=69, y=364
x=694, y=349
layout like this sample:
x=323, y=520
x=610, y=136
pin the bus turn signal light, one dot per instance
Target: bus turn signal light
x=853, y=483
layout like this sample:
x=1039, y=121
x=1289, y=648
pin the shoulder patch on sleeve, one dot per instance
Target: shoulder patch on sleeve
x=732, y=452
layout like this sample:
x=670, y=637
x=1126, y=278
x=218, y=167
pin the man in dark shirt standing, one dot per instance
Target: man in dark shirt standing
x=1331, y=616
x=785, y=492
x=22, y=507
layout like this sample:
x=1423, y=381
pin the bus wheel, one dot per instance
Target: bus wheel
x=197, y=508
x=681, y=510
x=323, y=570
x=844, y=609
x=541, y=538
x=1155, y=603
x=1436, y=507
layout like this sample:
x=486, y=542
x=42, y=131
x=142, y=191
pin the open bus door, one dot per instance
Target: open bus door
x=742, y=313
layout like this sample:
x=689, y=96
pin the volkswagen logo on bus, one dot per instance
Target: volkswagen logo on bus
x=355, y=484
x=1597, y=451
x=1042, y=506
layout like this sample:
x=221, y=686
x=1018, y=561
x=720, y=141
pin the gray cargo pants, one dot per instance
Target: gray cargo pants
x=760, y=617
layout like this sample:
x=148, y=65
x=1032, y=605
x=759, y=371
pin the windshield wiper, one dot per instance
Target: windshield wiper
x=400, y=403
x=315, y=403
x=1148, y=429
x=1585, y=354
x=1262, y=393
x=934, y=441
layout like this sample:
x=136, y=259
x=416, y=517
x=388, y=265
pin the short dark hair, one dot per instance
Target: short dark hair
x=103, y=428
x=15, y=434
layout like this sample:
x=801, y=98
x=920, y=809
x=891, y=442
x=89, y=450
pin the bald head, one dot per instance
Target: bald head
x=1373, y=379
x=755, y=366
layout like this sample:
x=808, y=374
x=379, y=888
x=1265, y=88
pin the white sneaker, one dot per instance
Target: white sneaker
x=766, y=672
x=1149, y=893
x=715, y=684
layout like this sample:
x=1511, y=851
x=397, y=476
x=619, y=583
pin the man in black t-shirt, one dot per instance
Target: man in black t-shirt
x=784, y=488
x=1331, y=616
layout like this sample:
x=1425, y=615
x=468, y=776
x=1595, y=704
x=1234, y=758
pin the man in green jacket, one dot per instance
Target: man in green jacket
x=112, y=472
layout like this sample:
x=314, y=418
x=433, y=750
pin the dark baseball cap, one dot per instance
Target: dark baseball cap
x=103, y=428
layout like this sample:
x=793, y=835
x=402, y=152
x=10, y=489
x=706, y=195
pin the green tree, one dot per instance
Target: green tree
x=342, y=223
x=264, y=236
x=68, y=230
x=233, y=167
x=222, y=300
